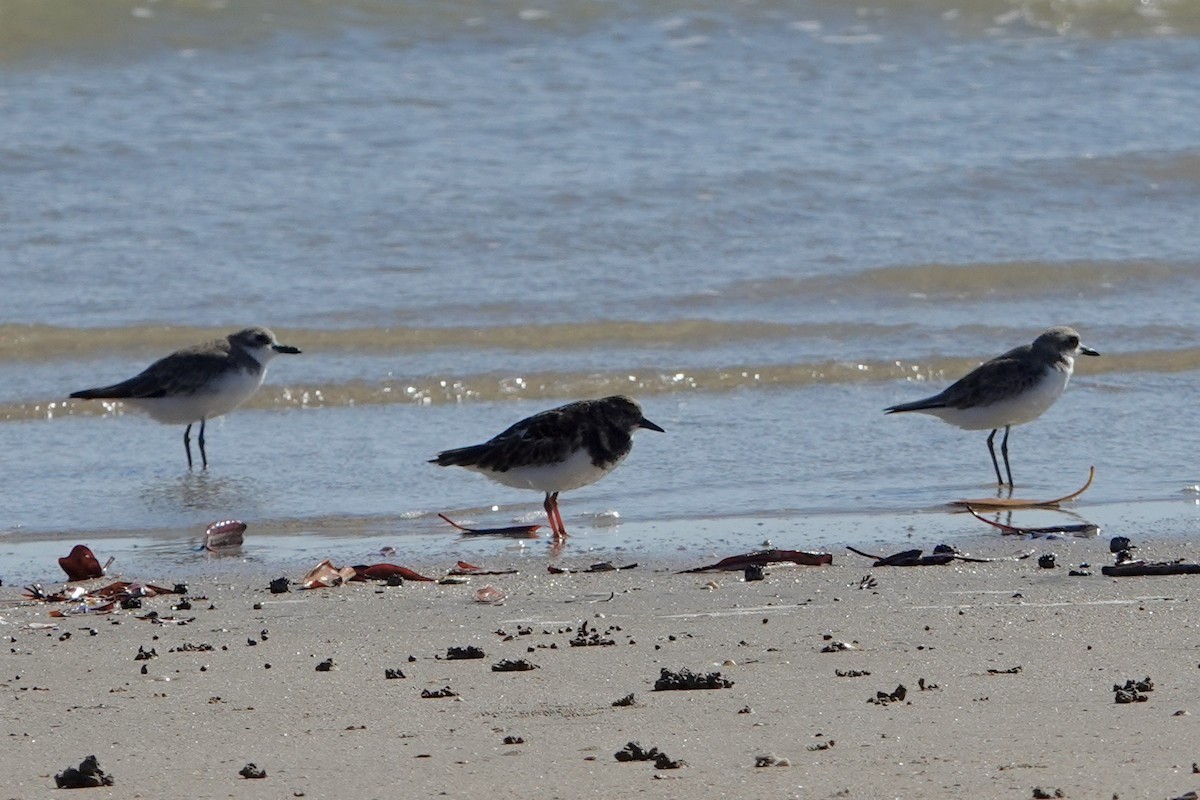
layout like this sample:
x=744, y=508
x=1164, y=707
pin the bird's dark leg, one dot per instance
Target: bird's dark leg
x=204, y=456
x=1004, y=452
x=992, y=450
x=187, y=443
x=555, y=516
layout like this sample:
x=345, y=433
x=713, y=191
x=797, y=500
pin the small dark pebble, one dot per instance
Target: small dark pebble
x=771, y=760
x=1046, y=561
x=394, y=580
x=252, y=770
x=131, y=602
x=663, y=761
x=279, y=585
x=1045, y=794
x=392, y=674
x=1120, y=544
x=87, y=775
x=897, y=695
x=513, y=740
x=470, y=651
x=513, y=665
x=686, y=679
x=633, y=751
x=325, y=666
x=755, y=572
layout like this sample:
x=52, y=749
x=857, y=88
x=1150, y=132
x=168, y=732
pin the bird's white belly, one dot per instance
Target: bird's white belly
x=576, y=471
x=1018, y=410
x=220, y=397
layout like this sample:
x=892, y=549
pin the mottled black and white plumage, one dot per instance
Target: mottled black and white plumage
x=556, y=450
x=198, y=383
x=1011, y=389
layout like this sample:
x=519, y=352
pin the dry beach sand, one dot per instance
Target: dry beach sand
x=1018, y=665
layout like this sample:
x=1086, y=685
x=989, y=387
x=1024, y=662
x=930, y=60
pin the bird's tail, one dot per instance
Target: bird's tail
x=461, y=457
x=916, y=405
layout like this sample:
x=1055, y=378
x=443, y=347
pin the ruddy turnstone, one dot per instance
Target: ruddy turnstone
x=557, y=450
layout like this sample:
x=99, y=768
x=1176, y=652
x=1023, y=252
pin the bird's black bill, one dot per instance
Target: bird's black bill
x=1087, y=351
x=283, y=348
x=645, y=423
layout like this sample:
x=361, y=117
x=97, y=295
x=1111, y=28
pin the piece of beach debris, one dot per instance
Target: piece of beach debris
x=514, y=740
x=1046, y=561
x=594, y=639
x=868, y=582
x=438, y=693
x=1010, y=671
x=833, y=646
x=87, y=775
x=1141, y=568
x=81, y=564
x=386, y=572
x=851, y=673
x=326, y=575
x=818, y=746
x=252, y=772
x=514, y=665
x=145, y=655
x=326, y=665
x=602, y=566
x=897, y=695
x=754, y=572
x=1080, y=529
x=942, y=554
x=224, y=535
x=279, y=585
x=469, y=651
x=1012, y=502
x=771, y=760
x=633, y=751
x=628, y=701
x=1046, y=794
x=514, y=531
x=392, y=673
x=490, y=595
x=465, y=568
x=685, y=679
x=764, y=558
x=1133, y=691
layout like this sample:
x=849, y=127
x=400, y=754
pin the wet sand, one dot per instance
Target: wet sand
x=1018, y=665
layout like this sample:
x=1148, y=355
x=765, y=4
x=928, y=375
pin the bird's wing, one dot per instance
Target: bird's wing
x=993, y=381
x=544, y=438
x=183, y=372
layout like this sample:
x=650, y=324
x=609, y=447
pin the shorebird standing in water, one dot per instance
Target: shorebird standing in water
x=557, y=450
x=1011, y=389
x=198, y=383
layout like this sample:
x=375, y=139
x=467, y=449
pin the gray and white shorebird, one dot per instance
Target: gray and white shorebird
x=198, y=383
x=557, y=450
x=1011, y=389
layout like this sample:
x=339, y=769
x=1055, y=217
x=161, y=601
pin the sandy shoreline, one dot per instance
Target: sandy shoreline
x=198, y=715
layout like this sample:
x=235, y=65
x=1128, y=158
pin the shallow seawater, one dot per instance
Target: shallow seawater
x=765, y=221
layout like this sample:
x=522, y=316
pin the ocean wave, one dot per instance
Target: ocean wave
x=30, y=27
x=1001, y=280
x=936, y=371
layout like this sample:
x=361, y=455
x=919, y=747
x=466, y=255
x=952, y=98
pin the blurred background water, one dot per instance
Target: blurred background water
x=766, y=221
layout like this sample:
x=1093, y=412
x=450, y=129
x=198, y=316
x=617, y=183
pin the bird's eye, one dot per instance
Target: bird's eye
x=1073, y=341
x=262, y=338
